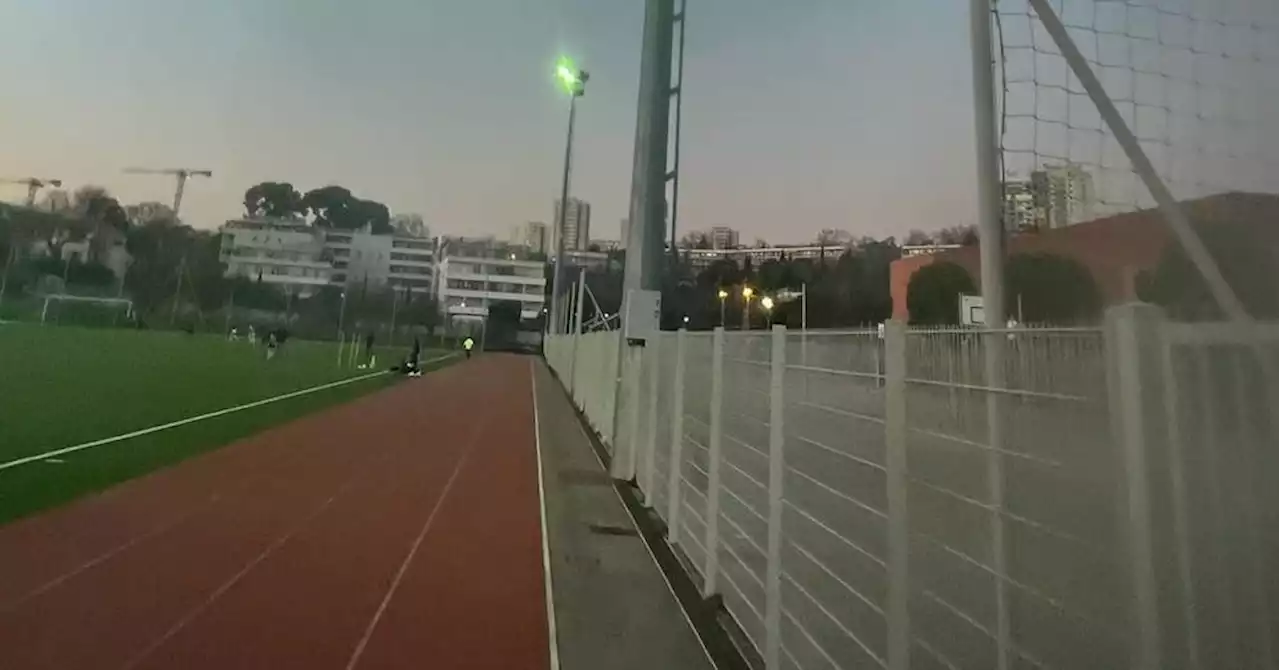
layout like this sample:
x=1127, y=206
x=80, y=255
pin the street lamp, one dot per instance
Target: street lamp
x=574, y=82
x=723, y=294
x=767, y=303
x=747, y=292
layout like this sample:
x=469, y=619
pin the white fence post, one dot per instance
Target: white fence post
x=653, y=352
x=677, y=443
x=895, y=439
x=712, y=537
x=1131, y=339
x=777, y=465
x=624, y=462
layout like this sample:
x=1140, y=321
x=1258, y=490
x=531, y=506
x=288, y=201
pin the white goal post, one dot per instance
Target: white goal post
x=66, y=297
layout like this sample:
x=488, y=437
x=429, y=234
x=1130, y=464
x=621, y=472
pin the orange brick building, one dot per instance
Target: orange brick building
x=1114, y=249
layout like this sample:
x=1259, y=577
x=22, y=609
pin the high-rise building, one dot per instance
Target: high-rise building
x=577, y=225
x=1067, y=193
x=1020, y=208
x=1054, y=197
x=534, y=236
x=723, y=237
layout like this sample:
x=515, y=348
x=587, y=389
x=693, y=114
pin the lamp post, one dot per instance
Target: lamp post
x=723, y=294
x=767, y=303
x=574, y=82
x=747, y=292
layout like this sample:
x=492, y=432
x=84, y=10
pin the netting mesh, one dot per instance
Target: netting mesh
x=1195, y=81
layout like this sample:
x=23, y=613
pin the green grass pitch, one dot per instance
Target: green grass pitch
x=65, y=386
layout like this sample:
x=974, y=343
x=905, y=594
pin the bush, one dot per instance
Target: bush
x=1245, y=253
x=1053, y=289
x=933, y=295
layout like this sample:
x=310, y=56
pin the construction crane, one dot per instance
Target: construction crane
x=33, y=186
x=180, y=174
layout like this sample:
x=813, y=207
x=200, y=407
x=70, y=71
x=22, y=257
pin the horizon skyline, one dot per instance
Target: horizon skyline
x=450, y=111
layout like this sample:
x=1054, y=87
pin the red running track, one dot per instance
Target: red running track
x=398, y=531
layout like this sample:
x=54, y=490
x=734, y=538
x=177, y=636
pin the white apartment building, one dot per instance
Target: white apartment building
x=300, y=258
x=723, y=237
x=1053, y=197
x=288, y=254
x=1068, y=193
x=1021, y=211
x=467, y=285
x=700, y=259
x=577, y=225
x=362, y=258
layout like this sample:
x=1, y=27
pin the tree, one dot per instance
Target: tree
x=1244, y=251
x=336, y=207
x=409, y=224
x=962, y=234
x=328, y=205
x=933, y=294
x=1050, y=289
x=144, y=213
x=273, y=199
x=56, y=201
x=917, y=237
x=832, y=237
x=373, y=215
x=695, y=239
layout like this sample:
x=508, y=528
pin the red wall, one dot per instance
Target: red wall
x=1114, y=249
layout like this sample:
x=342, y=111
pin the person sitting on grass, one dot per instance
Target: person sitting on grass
x=411, y=367
x=272, y=343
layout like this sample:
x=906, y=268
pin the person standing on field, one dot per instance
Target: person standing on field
x=368, y=351
x=467, y=344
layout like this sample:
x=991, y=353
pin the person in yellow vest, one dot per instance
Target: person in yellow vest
x=467, y=344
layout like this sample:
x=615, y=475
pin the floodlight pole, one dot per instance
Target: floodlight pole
x=577, y=91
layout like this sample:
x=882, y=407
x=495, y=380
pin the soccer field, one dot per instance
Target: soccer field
x=61, y=387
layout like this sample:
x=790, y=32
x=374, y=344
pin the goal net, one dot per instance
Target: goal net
x=80, y=310
x=1194, y=81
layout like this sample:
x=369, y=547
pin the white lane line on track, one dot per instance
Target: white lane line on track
x=413, y=550
x=279, y=542
x=48, y=455
x=553, y=642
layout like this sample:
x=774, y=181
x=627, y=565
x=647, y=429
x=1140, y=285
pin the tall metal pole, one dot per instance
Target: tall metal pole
x=557, y=278
x=177, y=193
x=8, y=261
x=177, y=294
x=990, y=227
x=646, y=232
x=991, y=237
x=675, y=147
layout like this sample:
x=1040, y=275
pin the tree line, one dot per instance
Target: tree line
x=175, y=275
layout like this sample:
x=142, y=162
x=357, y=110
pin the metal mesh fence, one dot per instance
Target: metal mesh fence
x=1194, y=81
x=1064, y=497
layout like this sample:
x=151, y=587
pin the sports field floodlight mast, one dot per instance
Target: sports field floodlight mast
x=574, y=82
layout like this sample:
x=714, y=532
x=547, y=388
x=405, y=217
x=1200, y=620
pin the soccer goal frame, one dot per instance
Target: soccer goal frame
x=66, y=297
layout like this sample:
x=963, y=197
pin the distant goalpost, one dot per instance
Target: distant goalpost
x=110, y=303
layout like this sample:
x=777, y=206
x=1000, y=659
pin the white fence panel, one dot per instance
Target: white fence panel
x=851, y=509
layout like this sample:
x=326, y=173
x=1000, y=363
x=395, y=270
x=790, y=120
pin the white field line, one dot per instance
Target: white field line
x=553, y=643
x=200, y=417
